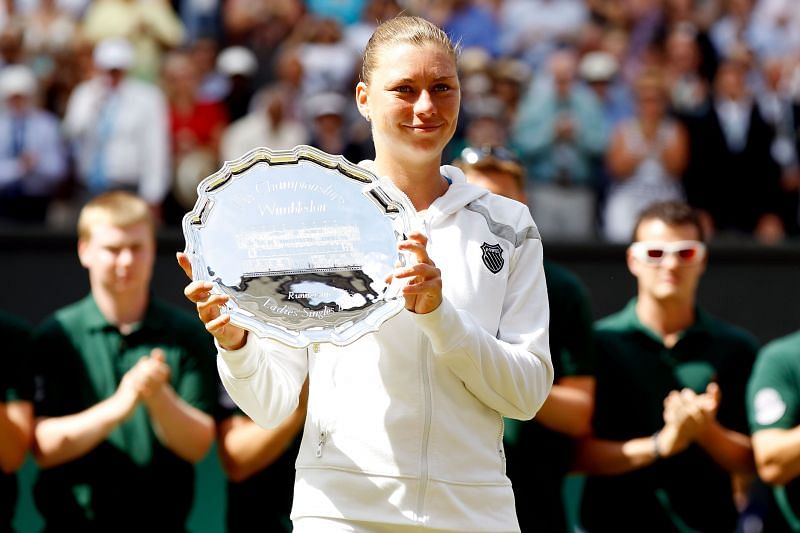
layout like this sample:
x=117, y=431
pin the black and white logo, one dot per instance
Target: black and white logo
x=493, y=257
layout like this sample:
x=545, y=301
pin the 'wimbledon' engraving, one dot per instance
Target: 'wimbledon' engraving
x=295, y=208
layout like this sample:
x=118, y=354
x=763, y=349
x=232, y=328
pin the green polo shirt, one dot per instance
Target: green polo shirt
x=538, y=458
x=635, y=372
x=773, y=401
x=16, y=384
x=130, y=481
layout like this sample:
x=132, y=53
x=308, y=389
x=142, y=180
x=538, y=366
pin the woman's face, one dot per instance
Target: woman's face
x=412, y=100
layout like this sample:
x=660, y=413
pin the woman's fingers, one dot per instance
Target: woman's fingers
x=209, y=308
x=198, y=291
x=185, y=264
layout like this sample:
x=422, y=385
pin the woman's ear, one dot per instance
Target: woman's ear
x=362, y=100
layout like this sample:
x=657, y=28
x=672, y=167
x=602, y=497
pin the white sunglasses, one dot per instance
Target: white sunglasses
x=652, y=252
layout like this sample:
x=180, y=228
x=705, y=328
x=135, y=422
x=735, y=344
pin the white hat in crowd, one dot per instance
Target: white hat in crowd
x=598, y=66
x=322, y=104
x=237, y=60
x=17, y=80
x=114, y=53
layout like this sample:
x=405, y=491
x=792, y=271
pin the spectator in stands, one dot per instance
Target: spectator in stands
x=534, y=38
x=124, y=385
x=16, y=411
x=239, y=65
x=732, y=175
x=670, y=425
x=773, y=398
x=327, y=113
x=33, y=159
x=687, y=86
x=646, y=158
x=561, y=135
x=329, y=62
x=120, y=129
x=151, y=27
x=195, y=130
x=259, y=465
x=267, y=125
x=782, y=113
x=600, y=71
x=733, y=28
x=539, y=452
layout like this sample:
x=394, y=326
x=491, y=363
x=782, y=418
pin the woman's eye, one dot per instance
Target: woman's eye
x=403, y=89
x=442, y=87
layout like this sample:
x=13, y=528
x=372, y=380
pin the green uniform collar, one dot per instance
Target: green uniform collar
x=630, y=319
x=96, y=321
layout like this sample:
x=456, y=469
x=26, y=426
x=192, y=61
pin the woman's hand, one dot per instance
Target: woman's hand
x=423, y=292
x=218, y=324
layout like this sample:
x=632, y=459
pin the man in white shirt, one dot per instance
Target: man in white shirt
x=120, y=128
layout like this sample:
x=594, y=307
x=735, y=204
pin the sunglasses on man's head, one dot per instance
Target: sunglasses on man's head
x=687, y=252
x=473, y=155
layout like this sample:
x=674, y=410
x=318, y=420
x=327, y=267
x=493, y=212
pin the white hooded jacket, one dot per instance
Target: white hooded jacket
x=405, y=426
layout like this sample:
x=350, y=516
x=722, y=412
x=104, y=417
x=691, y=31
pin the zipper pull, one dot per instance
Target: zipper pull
x=321, y=443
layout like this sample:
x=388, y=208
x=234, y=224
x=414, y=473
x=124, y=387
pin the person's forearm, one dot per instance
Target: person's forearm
x=16, y=428
x=606, y=457
x=61, y=439
x=246, y=448
x=182, y=428
x=777, y=454
x=567, y=410
x=731, y=450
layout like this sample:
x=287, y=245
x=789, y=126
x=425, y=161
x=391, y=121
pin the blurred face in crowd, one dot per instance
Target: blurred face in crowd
x=651, y=96
x=180, y=77
x=682, y=53
x=18, y=103
x=730, y=81
x=663, y=272
x=412, y=99
x=119, y=259
x=563, y=67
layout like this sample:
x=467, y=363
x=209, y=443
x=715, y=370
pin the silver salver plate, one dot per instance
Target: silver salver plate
x=302, y=242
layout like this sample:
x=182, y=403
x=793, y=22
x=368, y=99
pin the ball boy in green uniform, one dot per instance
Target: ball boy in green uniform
x=670, y=425
x=124, y=385
x=773, y=400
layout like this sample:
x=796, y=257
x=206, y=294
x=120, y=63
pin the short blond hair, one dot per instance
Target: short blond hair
x=403, y=29
x=117, y=208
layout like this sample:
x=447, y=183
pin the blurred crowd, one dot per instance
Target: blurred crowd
x=611, y=104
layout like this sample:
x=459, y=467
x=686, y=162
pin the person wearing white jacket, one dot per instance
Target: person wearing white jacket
x=404, y=427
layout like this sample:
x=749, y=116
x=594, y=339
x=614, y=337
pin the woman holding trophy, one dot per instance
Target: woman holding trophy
x=405, y=425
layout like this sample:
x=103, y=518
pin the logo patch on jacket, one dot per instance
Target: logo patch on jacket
x=493, y=257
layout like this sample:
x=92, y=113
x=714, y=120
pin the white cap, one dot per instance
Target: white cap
x=237, y=60
x=598, y=66
x=322, y=104
x=113, y=53
x=17, y=80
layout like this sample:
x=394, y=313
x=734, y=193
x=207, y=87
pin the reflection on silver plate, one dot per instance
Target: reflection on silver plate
x=302, y=241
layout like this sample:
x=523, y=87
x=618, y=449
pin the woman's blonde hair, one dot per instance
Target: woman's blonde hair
x=403, y=29
x=117, y=208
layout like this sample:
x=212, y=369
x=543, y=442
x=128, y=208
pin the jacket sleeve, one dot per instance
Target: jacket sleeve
x=264, y=378
x=511, y=373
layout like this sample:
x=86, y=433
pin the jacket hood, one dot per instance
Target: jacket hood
x=459, y=194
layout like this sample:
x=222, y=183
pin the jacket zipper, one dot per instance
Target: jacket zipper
x=426, y=431
x=323, y=437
